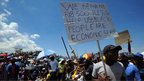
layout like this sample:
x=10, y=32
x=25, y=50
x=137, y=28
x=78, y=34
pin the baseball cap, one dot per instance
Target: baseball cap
x=138, y=55
x=111, y=48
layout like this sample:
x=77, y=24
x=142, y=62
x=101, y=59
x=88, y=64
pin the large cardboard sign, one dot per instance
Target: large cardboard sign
x=87, y=21
x=122, y=38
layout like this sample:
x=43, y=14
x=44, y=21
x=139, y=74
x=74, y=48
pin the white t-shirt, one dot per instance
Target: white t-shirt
x=98, y=69
x=54, y=65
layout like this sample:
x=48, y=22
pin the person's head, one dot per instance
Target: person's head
x=52, y=58
x=13, y=61
x=69, y=61
x=124, y=57
x=63, y=61
x=138, y=58
x=95, y=60
x=111, y=53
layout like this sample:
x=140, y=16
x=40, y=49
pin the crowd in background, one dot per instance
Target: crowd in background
x=113, y=66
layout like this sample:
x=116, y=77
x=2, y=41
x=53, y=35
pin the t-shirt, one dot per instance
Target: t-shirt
x=132, y=73
x=61, y=68
x=54, y=65
x=13, y=70
x=88, y=73
x=118, y=70
x=98, y=69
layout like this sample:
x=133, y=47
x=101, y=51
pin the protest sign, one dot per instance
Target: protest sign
x=122, y=38
x=87, y=21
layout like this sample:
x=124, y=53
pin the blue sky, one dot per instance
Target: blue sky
x=39, y=23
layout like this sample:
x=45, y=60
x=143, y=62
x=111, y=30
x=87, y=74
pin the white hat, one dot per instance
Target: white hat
x=61, y=61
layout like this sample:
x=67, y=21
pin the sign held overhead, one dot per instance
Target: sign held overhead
x=123, y=37
x=87, y=21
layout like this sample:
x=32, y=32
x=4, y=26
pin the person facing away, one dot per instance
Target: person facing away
x=139, y=62
x=131, y=71
x=13, y=71
x=114, y=69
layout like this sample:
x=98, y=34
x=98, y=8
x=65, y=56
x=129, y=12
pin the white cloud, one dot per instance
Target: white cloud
x=35, y=36
x=6, y=0
x=11, y=38
x=3, y=2
x=3, y=17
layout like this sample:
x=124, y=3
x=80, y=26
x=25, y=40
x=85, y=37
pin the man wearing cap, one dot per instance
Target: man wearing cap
x=138, y=58
x=114, y=69
x=138, y=61
x=131, y=71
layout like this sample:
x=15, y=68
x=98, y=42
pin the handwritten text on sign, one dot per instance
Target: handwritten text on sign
x=87, y=21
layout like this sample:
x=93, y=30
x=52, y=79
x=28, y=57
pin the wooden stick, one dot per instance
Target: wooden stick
x=129, y=46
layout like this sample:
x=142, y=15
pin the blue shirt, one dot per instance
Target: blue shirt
x=132, y=73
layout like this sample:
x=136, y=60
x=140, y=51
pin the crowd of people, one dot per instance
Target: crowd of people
x=112, y=66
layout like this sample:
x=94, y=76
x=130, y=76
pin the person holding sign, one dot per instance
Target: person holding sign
x=114, y=69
